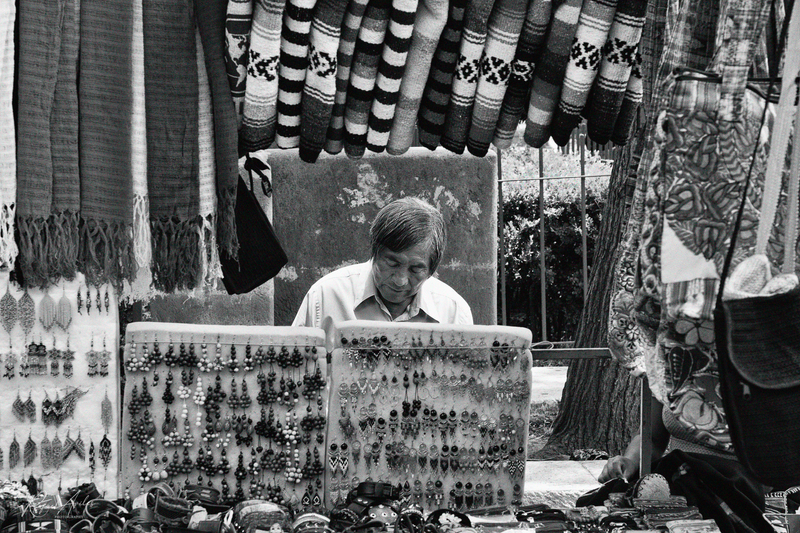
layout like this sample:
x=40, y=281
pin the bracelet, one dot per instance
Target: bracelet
x=107, y=522
x=95, y=508
x=377, y=490
x=201, y=494
x=172, y=511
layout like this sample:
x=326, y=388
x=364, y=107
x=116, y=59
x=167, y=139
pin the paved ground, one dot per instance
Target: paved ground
x=547, y=382
x=559, y=483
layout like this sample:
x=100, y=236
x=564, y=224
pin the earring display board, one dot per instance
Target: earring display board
x=442, y=410
x=59, y=404
x=241, y=409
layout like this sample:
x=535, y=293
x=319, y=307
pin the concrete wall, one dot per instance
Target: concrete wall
x=322, y=214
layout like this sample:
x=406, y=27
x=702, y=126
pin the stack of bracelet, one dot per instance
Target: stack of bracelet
x=240, y=409
x=441, y=410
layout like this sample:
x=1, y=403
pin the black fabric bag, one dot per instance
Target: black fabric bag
x=261, y=256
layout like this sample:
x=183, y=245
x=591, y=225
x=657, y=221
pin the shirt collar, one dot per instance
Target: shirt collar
x=423, y=300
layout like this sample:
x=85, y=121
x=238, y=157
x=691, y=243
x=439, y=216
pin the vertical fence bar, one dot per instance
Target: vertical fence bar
x=542, y=277
x=584, y=248
x=502, y=223
x=645, y=428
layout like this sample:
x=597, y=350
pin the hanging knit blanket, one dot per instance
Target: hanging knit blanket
x=549, y=75
x=172, y=138
x=505, y=26
x=8, y=151
x=347, y=44
x=320, y=87
x=210, y=18
x=630, y=105
x=261, y=95
x=106, y=253
x=428, y=27
x=619, y=58
x=239, y=17
x=292, y=70
x=468, y=70
x=390, y=73
x=362, y=76
x=592, y=33
x=47, y=134
x=515, y=101
x=436, y=97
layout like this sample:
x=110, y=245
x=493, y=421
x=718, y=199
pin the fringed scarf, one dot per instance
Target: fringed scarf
x=171, y=100
x=48, y=195
x=8, y=150
x=106, y=192
x=211, y=23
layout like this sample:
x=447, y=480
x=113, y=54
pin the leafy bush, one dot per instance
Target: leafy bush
x=563, y=263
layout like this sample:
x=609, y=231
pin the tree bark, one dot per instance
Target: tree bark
x=600, y=403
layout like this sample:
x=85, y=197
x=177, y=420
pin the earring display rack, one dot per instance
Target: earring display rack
x=59, y=399
x=441, y=410
x=241, y=409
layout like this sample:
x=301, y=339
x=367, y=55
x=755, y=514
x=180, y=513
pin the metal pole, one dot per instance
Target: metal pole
x=584, y=252
x=503, y=314
x=542, y=277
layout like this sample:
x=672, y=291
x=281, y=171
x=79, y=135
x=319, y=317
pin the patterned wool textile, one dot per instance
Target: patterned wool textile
x=361, y=88
x=8, y=152
x=239, y=18
x=105, y=95
x=319, y=91
x=505, y=26
x=210, y=18
x=47, y=122
x=549, y=74
x=585, y=54
x=515, y=101
x=347, y=44
x=171, y=92
x=428, y=27
x=630, y=105
x=292, y=70
x=261, y=95
x=390, y=73
x=468, y=70
x=436, y=96
x=619, y=58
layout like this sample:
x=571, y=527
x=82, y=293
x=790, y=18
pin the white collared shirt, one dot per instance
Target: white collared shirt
x=350, y=294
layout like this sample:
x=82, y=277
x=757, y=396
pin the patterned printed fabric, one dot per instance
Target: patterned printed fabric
x=585, y=54
x=8, y=154
x=549, y=74
x=436, y=97
x=390, y=73
x=505, y=26
x=347, y=45
x=428, y=27
x=468, y=71
x=237, y=46
x=292, y=70
x=320, y=87
x=619, y=58
x=362, y=76
x=515, y=101
x=630, y=105
x=261, y=95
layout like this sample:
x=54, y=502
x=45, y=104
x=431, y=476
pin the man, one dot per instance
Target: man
x=396, y=284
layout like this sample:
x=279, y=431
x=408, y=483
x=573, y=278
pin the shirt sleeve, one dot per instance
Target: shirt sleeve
x=305, y=314
x=464, y=314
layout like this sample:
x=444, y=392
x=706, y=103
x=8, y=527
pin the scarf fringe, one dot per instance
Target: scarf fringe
x=8, y=245
x=227, y=240
x=177, y=253
x=48, y=248
x=142, y=243
x=106, y=252
x=212, y=268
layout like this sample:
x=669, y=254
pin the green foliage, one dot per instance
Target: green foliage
x=562, y=221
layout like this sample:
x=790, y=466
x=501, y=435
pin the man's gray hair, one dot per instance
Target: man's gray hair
x=408, y=222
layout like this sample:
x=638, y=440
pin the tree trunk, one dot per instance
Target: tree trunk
x=600, y=403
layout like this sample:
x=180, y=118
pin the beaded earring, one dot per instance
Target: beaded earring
x=55, y=452
x=67, y=356
x=29, y=452
x=64, y=311
x=9, y=312
x=18, y=408
x=91, y=458
x=13, y=453
x=106, y=412
x=30, y=408
x=47, y=311
x=27, y=312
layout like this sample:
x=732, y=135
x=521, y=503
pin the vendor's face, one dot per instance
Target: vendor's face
x=399, y=275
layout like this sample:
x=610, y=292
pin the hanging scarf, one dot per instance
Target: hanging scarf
x=8, y=152
x=47, y=134
x=210, y=22
x=171, y=100
x=106, y=194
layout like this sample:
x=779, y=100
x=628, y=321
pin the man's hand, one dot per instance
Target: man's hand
x=619, y=467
